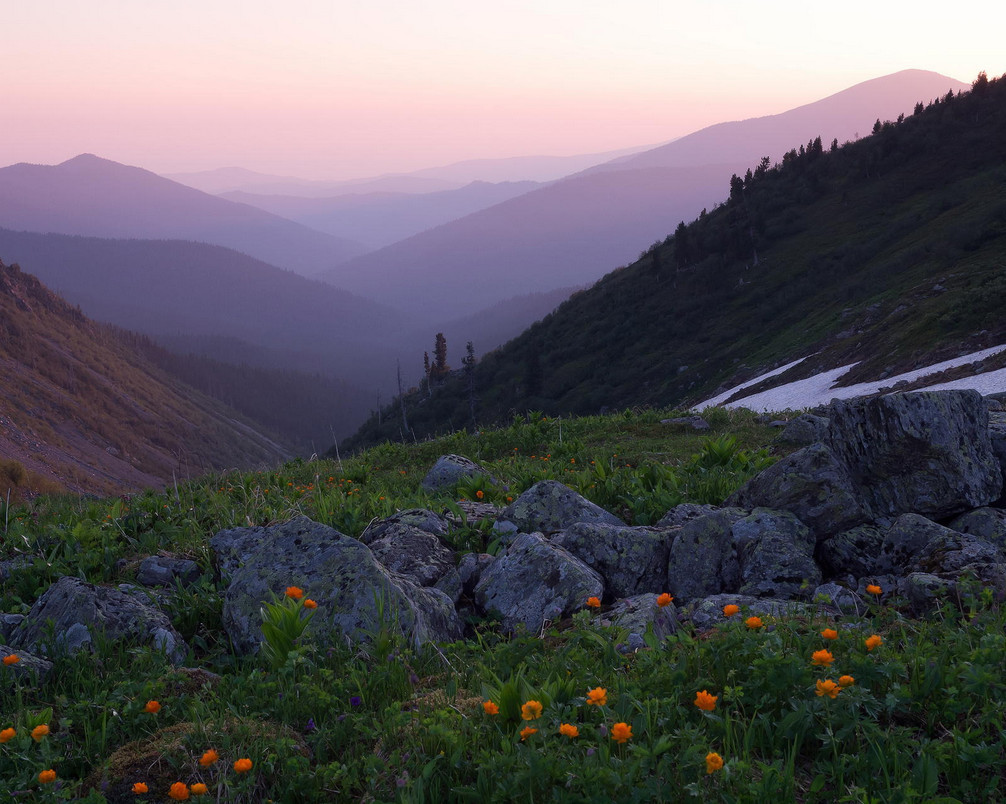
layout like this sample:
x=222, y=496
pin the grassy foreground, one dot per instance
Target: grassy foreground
x=885, y=709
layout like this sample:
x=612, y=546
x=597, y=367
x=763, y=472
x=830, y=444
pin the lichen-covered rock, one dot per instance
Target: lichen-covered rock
x=855, y=551
x=418, y=518
x=638, y=613
x=470, y=570
x=472, y=512
x=810, y=483
x=29, y=667
x=535, y=581
x=339, y=573
x=702, y=560
x=986, y=523
x=776, y=555
x=708, y=611
x=924, y=452
x=630, y=559
x=839, y=597
x=804, y=430
x=550, y=506
x=997, y=438
x=167, y=571
x=8, y=622
x=414, y=553
x=78, y=613
x=905, y=540
x=923, y=590
x=449, y=470
x=950, y=551
x=683, y=513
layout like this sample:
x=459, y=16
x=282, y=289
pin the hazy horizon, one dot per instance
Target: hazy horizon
x=337, y=90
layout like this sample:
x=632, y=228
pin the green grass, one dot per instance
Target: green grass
x=386, y=722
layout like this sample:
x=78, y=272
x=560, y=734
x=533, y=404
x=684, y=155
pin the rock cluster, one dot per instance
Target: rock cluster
x=897, y=490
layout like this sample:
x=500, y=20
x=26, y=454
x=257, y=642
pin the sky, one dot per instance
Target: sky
x=346, y=89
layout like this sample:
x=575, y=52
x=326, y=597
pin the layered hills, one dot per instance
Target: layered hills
x=86, y=411
x=888, y=252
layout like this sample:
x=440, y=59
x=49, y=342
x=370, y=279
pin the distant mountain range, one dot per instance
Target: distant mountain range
x=573, y=231
x=82, y=408
x=88, y=195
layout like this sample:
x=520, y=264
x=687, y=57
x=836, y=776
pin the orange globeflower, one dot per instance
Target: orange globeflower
x=594, y=602
x=873, y=641
x=829, y=633
x=480, y=494
x=873, y=589
x=597, y=697
x=526, y=732
x=705, y=701
x=294, y=592
x=531, y=710
x=152, y=707
x=208, y=758
x=754, y=623
x=730, y=610
x=310, y=604
x=821, y=658
x=199, y=789
x=828, y=687
x=713, y=762
x=39, y=732
x=7, y=735
x=664, y=600
x=490, y=708
x=846, y=681
x=569, y=730
x=12, y=658
x=179, y=791
x=621, y=732
x=47, y=776
x=243, y=765
x=139, y=788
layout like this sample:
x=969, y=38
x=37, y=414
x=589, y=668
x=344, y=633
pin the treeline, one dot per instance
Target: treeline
x=813, y=253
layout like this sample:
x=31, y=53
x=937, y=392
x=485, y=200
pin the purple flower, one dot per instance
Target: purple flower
x=355, y=700
x=310, y=725
x=590, y=752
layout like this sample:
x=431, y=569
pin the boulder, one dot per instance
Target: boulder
x=997, y=437
x=167, y=571
x=29, y=667
x=638, y=613
x=840, y=598
x=449, y=470
x=776, y=555
x=535, y=581
x=8, y=622
x=950, y=551
x=804, y=430
x=702, y=560
x=905, y=541
x=631, y=560
x=685, y=512
x=414, y=553
x=352, y=589
x=418, y=518
x=986, y=523
x=689, y=422
x=470, y=570
x=925, y=452
x=923, y=590
x=72, y=615
x=810, y=483
x=549, y=506
x=708, y=611
x=855, y=552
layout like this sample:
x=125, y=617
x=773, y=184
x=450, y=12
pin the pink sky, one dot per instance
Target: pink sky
x=339, y=89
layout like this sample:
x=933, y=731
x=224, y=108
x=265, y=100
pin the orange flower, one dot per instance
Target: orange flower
x=199, y=789
x=152, y=707
x=754, y=623
x=10, y=659
x=208, y=758
x=713, y=762
x=621, y=732
x=7, y=735
x=47, y=776
x=490, y=708
x=294, y=592
x=531, y=710
x=597, y=697
x=526, y=732
x=179, y=791
x=664, y=600
x=873, y=589
x=310, y=604
x=480, y=494
x=828, y=687
x=730, y=610
x=139, y=788
x=829, y=633
x=705, y=701
x=846, y=681
x=821, y=658
x=873, y=641
x=39, y=732
x=569, y=730
x=243, y=765
x=594, y=602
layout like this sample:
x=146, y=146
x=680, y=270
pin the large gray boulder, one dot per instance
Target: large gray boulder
x=924, y=452
x=640, y=613
x=535, y=581
x=415, y=517
x=986, y=523
x=905, y=540
x=549, y=506
x=339, y=573
x=811, y=483
x=683, y=513
x=804, y=430
x=776, y=552
x=708, y=611
x=72, y=615
x=449, y=470
x=631, y=560
x=418, y=555
x=702, y=560
x=852, y=552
